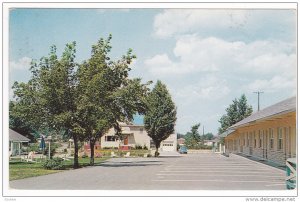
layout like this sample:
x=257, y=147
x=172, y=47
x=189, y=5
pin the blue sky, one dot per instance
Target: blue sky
x=205, y=57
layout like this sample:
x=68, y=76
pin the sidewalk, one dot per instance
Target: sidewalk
x=258, y=160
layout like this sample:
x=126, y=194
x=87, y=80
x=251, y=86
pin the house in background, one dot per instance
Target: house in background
x=181, y=141
x=133, y=135
x=16, y=142
x=269, y=134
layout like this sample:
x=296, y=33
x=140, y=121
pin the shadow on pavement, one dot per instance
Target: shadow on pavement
x=266, y=162
x=129, y=164
x=169, y=157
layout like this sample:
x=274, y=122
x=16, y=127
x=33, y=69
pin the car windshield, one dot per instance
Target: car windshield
x=183, y=148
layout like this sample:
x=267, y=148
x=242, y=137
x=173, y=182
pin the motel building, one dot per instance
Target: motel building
x=134, y=135
x=269, y=134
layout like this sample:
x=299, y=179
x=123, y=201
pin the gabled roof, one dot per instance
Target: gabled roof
x=17, y=137
x=285, y=106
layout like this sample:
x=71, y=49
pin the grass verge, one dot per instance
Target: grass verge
x=20, y=170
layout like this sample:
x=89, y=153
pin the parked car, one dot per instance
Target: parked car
x=183, y=150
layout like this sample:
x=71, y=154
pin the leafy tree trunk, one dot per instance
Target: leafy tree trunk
x=156, y=151
x=92, y=146
x=76, y=163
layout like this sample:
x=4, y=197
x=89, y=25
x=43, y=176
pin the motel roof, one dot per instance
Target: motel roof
x=283, y=107
x=17, y=137
x=226, y=133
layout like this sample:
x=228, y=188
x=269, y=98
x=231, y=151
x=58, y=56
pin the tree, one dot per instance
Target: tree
x=236, y=112
x=192, y=138
x=19, y=125
x=48, y=99
x=107, y=95
x=208, y=136
x=160, y=116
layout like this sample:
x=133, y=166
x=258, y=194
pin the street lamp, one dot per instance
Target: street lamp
x=49, y=139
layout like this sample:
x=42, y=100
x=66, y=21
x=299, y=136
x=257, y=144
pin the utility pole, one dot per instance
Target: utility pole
x=258, y=93
x=203, y=129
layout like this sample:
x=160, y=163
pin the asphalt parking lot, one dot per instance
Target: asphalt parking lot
x=203, y=171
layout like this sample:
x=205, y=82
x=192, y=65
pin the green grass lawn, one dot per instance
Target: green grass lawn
x=21, y=170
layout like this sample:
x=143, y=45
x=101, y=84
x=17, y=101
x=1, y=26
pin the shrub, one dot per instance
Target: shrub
x=84, y=156
x=54, y=164
x=145, y=147
x=149, y=155
x=138, y=146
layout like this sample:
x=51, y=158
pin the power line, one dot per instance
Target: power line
x=258, y=93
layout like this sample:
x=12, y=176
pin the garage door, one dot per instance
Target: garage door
x=168, y=147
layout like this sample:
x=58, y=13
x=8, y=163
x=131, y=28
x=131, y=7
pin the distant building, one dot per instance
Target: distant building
x=269, y=134
x=16, y=141
x=134, y=135
x=212, y=142
x=181, y=141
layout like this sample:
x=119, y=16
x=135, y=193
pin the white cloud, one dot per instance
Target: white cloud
x=209, y=87
x=276, y=83
x=219, y=55
x=195, y=54
x=172, y=22
x=21, y=64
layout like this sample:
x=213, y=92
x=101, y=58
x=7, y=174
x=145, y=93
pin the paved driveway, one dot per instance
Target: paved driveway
x=206, y=171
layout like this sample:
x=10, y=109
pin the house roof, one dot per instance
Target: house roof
x=17, y=137
x=285, y=106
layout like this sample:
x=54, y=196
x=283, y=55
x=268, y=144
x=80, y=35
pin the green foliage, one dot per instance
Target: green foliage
x=48, y=99
x=54, y=164
x=18, y=124
x=160, y=116
x=145, y=147
x=33, y=147
x=107, y=95
x=83, y=101
x=236, y=112
x=53, y=147
x=137, y=146
x=179, y=135
x=207, y=136
x=192, y=139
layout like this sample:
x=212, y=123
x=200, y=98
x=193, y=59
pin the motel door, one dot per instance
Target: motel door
x=265, y=145
x=251, y=145
x=126, y=141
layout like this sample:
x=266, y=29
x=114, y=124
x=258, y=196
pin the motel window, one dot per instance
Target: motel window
x=244, y=141
x=247, y=139
x=260, y=139
x=280, y=142
x=254, y=140
x=271, y=138
x=110, y=138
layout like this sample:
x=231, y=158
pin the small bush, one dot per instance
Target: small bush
x=84, y=156
x=138, y=146
x=54, y=164
x=145, y=147
x=149, y=155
